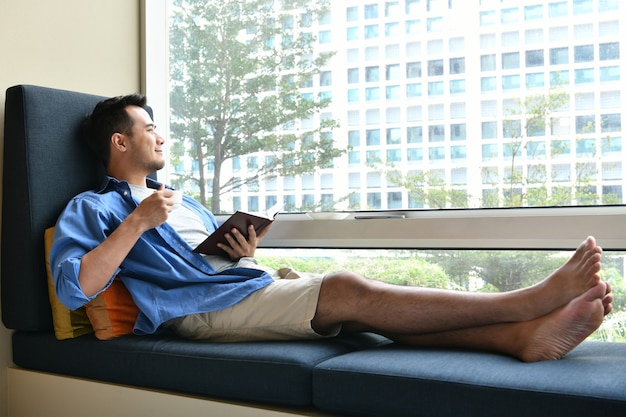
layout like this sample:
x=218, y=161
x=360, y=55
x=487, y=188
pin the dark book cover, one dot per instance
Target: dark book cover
x=240, y=221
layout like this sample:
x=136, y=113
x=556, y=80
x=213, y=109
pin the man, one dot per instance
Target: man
x=130, y=229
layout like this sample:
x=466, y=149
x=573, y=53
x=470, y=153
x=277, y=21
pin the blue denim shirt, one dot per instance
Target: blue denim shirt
x=162, y=273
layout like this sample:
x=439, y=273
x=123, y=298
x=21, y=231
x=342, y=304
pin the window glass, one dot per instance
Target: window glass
x=394, y=86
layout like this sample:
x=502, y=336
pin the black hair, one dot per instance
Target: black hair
x=109, y=117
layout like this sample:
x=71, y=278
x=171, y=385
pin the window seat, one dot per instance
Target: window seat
x=358, y=375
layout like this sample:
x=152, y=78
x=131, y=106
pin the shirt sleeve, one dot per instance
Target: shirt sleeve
x=81, y=227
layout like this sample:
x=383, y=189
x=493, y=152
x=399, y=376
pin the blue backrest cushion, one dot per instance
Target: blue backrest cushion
x=45, y=164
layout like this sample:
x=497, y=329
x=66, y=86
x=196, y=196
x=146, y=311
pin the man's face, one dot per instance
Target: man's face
x=145, y=144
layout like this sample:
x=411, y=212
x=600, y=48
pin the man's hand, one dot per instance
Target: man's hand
x=154, y=210
x=239, y=246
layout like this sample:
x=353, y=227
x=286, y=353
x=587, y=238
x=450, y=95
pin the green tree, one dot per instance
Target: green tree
x=237, y=68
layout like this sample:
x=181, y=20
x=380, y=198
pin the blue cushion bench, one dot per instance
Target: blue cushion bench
x=45, y=165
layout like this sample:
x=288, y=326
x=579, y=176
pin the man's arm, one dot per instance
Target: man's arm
x=98, y=265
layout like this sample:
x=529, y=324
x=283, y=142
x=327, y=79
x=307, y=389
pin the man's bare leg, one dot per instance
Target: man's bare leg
x=361, y=304
x=545, y=338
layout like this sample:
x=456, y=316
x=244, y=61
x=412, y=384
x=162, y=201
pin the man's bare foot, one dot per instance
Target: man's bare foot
x=577, y=275
x=553, y=336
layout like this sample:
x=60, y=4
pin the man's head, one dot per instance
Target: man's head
x=108, y=118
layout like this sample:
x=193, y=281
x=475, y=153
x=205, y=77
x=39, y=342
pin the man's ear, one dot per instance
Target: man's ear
x=119, y=142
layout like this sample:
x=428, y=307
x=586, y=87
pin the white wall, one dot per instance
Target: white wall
x=92, y=46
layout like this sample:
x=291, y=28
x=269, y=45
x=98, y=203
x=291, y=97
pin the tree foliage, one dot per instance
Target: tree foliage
x=237, y=68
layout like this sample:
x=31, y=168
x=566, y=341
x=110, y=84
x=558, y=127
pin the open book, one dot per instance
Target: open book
x=240, y=221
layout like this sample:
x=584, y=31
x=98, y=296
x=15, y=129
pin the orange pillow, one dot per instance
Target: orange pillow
x=112, y=313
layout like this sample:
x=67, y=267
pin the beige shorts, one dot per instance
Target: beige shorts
x=281, y=311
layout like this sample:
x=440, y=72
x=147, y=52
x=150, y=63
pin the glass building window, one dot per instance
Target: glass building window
x=437, y=153
x=392, y=29
x=458, y=131
x=372, y=94
x=371, y=11
x=535, y=80
x=412, y=27
x=324, y=37
x=610, y=73
x=413, y=90
x=414, y=154
x=558, y=9
x=510, y=82
x=488, y=62
x=372, y=74
x=354, y=180
x=413, y=69
x=435, y=88
x=353, y=75
x=394, y=155
x=393, y=136
x=586, y=147
x=489, y=152
x=534, y=12
x=559, y=78
x=510, y=15
x=457, y=86
x=489, y=130
x=434, y=24
x=372, y=157
x=436, y=133
x=611, y=122
x=392, y=92
x=559, y=56
x=392, y=72
x=457, y=66
x=414, y=134
x=371, y=31
x=354, y=158
x=352, y=33
x=487, y=18
x=458, y=152
x=585, y=124
x=326, y=78
x=354, y=138
x=352, y=14
x=488, y=84
x=435, y=67
x=583, y=53
x=582, y=7
x=392, y=8
x=534, y=58
x=374, y=201
x=611, y=145
x=510, y=60
x=394, y=200
x=585, y=75
x=372, y=137
x=609, y=51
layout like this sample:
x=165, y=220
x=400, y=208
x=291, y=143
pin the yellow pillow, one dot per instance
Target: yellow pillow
x=67, y=324
x=111, y=314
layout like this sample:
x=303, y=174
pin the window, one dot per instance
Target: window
x=583, y=53
x=510, y=60
x=534, y=58
x=409, y=91
x=488, y=62
x=609, y=51
x=559, y=56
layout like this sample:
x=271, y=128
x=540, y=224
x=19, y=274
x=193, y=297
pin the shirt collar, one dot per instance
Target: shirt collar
x=111, y=183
